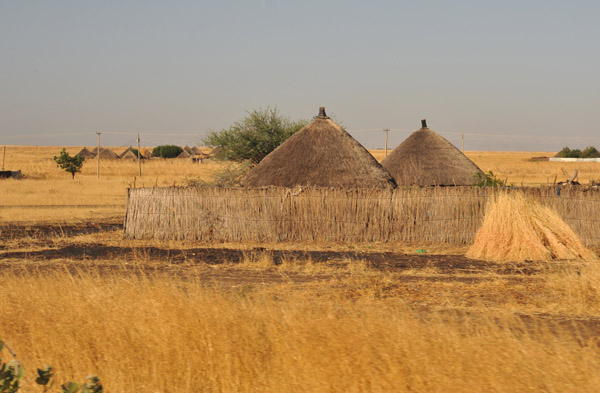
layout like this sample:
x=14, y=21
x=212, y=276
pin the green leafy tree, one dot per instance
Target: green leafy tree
x=71, y=164
x=254, y=136
x=167, y=151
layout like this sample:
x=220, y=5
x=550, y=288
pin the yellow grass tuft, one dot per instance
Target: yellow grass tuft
x=516, y=228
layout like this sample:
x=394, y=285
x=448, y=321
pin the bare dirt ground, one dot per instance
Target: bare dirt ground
x=51, y=243
x=425, y=280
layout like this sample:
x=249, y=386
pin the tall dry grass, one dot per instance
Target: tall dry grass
x=156, y=334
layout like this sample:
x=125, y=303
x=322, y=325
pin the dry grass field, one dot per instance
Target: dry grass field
x=48, y=194
x=169, y=316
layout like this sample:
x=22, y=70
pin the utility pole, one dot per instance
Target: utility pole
x=3, y=157
x=98, y=153
x=462, y=138
x=387, y=130
x=139, y=162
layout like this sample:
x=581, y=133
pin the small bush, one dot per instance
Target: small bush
x=487, y=180
x=231, y=176
x=166, y=151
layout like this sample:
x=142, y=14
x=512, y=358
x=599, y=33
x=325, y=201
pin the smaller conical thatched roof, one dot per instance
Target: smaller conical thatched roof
x=107, y=154
x=146, y=153
x=516, y=228
x=427, y=159
x=86, y=153
x=129, y=155
x=321, y=154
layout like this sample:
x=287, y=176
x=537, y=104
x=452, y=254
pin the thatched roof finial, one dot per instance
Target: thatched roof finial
x=322, y=114
x=423, y=123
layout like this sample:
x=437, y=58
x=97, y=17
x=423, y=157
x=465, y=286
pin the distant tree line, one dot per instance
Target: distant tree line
x=588, y=152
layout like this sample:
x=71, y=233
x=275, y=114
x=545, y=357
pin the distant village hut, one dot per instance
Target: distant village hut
x=86, y=153
x=129, y=155
x=197, y=151
x=184, y=153
x=321, y=154
x=427, y=159
x=105, y=153
x=126, y=154
x=145, y=153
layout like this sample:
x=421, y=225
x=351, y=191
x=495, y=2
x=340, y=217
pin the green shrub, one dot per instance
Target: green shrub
x=166, y=151
x=230, y=176
x=487, y=180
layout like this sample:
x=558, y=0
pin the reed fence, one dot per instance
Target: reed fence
x=438, y=215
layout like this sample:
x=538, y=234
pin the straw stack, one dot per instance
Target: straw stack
x=517, y=228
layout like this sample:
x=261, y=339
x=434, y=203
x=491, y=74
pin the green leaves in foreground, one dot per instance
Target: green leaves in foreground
x=11, y=378
x=11, y=374
x=92, y=386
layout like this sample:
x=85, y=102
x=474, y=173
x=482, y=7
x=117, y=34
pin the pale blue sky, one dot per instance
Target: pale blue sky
x=511, y=75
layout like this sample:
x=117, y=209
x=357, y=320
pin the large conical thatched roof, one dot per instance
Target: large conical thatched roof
x=321, y=154
x=427, y=159
x=86, y=153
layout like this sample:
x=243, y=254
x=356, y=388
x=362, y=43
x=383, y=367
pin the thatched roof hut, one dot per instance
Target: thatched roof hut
x=196, y=150
x=427, y=159
x=146, y=153
x=125, y=153
x=105, y=153
x=85, y=153
x=184, y=154
x=321, y=154
x=129, y=155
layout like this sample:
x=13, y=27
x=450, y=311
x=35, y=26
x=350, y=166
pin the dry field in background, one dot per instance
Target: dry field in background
x=168, y=316
x=48, y=193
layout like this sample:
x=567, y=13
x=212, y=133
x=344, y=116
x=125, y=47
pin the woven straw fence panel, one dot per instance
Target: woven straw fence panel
x=414, y=215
